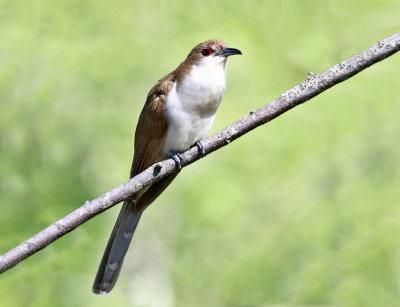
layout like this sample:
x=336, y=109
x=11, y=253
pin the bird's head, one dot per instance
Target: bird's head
x=212, y=52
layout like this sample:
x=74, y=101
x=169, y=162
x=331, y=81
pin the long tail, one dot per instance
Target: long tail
x=117, y=246
x=122, y=234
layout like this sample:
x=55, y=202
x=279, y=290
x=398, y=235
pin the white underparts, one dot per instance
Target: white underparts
x=192, y=104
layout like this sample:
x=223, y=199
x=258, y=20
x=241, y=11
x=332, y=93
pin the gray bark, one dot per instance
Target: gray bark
x=309, y=88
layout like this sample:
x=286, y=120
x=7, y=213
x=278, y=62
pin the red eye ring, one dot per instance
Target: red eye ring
x=207, y=51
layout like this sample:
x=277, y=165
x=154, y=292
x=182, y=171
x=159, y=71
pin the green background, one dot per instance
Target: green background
x=301, y=212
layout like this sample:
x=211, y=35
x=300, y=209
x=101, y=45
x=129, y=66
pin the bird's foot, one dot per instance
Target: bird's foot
x=177, y=157
x=200, y=146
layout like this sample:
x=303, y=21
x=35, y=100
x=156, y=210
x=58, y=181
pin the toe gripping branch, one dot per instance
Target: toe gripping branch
x=201, y=148
x=177, y=157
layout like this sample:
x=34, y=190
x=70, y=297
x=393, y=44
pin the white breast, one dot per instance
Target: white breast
x=191, y=106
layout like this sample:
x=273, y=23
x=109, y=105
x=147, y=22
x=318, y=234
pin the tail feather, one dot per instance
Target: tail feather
x=117, y=246
x=122, y=234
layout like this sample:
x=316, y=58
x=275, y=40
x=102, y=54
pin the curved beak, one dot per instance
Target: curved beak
x=230, y=51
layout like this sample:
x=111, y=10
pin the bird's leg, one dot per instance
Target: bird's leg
x=200, y=146
x=177, y=157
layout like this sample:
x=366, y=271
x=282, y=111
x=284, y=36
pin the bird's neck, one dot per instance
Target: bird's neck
x=191, y=105
x=202, y=88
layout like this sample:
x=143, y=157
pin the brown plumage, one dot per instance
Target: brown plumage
x=149, y=139
x=150, y=136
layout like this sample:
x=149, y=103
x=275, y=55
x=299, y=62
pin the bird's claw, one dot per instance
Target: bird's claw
x=201, y=148
x=177, y=157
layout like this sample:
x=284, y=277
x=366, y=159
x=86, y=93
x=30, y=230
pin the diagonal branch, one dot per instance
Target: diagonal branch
x=309, y=88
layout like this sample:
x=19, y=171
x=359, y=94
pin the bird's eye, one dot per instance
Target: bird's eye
x=207, y=51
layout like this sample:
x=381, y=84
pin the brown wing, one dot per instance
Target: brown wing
x=152, y=127
x=149, y=139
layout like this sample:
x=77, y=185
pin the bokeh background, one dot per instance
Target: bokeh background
x=303, y=211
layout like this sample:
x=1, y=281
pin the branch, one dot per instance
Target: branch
x=309, y=88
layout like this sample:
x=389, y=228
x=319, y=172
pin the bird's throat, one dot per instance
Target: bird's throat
x=191, y=106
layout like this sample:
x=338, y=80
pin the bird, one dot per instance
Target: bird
x=178, y=113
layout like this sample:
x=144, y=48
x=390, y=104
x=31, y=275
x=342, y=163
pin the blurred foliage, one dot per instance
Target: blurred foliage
x=303, y=211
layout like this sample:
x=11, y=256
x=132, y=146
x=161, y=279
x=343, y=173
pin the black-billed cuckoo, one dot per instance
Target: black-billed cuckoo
x=178, y=113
